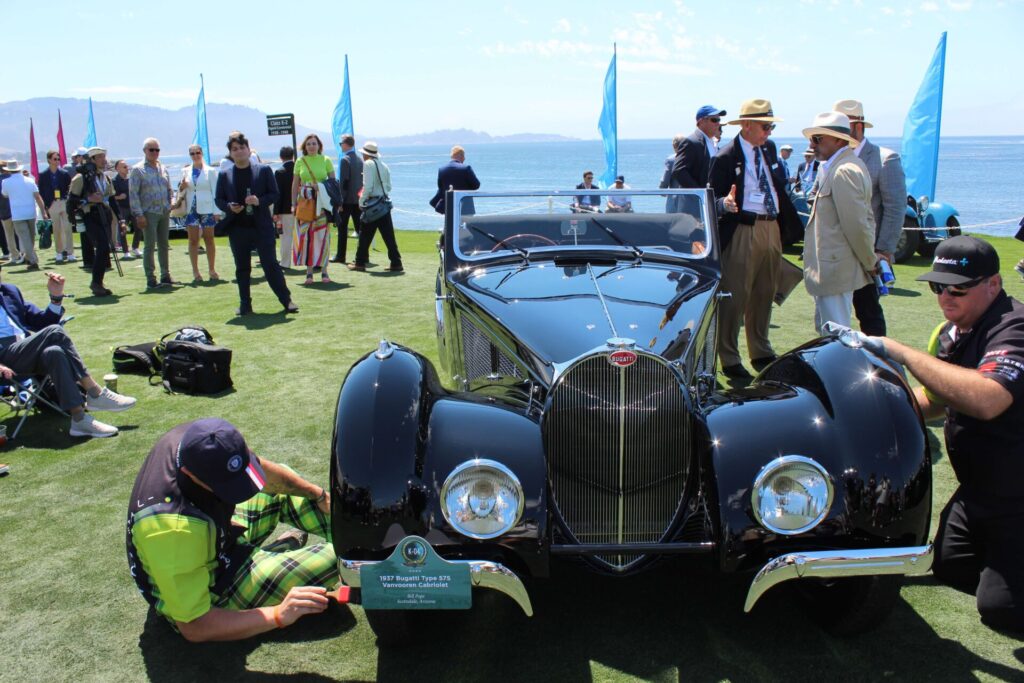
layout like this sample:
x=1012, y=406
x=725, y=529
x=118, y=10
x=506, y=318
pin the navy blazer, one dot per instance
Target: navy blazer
x=459, y=176
x=692, y=164
x=728, y=168
x=47, y=185
x=25, y=313
x=264, y=187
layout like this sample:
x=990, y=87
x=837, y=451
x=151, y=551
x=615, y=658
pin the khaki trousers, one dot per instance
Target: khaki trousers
x=12, y=245
x=63, y=233
x=750, y=270
x=287, y=226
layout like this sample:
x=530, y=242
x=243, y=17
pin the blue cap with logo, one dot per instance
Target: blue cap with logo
x=962, y=259
x=215, y=452
x=709, y=110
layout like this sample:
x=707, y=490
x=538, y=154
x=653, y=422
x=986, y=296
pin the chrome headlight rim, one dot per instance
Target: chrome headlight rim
x=481, y=463
x=771, y=469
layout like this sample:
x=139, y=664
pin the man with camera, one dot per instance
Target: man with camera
x=91, y=196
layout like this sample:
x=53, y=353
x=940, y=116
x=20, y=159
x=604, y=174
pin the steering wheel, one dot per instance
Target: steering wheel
x=525, y=236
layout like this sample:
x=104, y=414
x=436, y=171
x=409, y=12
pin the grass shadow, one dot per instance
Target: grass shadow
x=331, y=286
x=904, y=292
x=673, y=623
x=259, y=321
x=384, y=273
x=169, y=658
x=93, y=300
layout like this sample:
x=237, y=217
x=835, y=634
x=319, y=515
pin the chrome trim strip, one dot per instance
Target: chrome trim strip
x=482, y=573
x=912, y=561
x=600, y=297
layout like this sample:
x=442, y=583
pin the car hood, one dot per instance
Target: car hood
x=560, y=312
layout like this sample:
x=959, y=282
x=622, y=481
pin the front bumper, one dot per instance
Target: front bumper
x=482, y=573
x=828, y=564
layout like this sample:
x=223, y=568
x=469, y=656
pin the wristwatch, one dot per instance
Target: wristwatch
x=322, y=497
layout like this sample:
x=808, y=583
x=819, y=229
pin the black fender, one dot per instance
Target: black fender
x=855, y=415
x=398, y=435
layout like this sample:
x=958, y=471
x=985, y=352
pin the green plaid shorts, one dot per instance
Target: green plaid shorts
x=268, y=576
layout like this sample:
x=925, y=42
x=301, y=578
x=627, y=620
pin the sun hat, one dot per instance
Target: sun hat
x=80, y=152
x=370, y=150
x=961, y=259
x=853, y=109
x=215, y=452
x=808, y=152
x=12, y=166
x=709, y=110
x=93, y=151
x=755, y=110
x=831, y=123
x=785, y=147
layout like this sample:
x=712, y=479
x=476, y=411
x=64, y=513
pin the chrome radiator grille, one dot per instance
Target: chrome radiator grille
x=481, y=357
x=618, y=451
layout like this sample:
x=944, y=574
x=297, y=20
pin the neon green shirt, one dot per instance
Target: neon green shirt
x=320, y=165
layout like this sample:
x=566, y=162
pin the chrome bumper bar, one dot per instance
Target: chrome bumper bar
x=828, y=564
x=482, y=574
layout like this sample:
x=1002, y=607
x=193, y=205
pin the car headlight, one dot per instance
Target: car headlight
x=482, y=499
x=922, y=202
x=791, y=495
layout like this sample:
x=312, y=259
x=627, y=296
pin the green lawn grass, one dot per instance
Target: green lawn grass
x=69, y=610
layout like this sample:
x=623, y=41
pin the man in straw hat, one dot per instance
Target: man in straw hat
x=23, y=194
x=839, y=243
x=888, y=205
x=754, y=214
x=974, y=375
x=96, y=205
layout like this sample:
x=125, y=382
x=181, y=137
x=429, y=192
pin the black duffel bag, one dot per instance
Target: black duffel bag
x=195, y=368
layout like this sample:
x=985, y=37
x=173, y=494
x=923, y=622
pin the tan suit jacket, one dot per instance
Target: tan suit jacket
x=839, y=243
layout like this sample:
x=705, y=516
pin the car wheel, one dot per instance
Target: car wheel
x=847, y=607
x=927, y=249
x=909, y=240
x=954, y=226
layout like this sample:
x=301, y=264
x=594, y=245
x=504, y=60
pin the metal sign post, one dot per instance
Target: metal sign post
x=282, y=124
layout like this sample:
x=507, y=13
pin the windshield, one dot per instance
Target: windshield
x=529, y=224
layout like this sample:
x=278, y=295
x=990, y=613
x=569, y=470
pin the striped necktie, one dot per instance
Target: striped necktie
x=762, y=184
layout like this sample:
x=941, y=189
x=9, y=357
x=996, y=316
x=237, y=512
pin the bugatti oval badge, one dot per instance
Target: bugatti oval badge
x=622, y=358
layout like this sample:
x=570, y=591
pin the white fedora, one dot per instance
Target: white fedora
x=370, y=150
x=853, y=109
x=831, y=123
x=12, y=166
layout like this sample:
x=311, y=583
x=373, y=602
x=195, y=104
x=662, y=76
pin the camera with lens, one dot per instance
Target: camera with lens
x=87, y=169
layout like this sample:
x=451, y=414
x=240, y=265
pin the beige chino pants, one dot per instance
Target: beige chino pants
x=750, y=270
x=63, y=231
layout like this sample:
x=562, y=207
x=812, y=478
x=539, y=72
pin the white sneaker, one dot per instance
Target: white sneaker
x=18, y=261
x=59, y=259
x=71, y=258
x=90, y=426
x=108, y=400
x=137, y=253
x=127, y=256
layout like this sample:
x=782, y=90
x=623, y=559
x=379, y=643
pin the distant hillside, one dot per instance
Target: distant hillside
x=122, y=127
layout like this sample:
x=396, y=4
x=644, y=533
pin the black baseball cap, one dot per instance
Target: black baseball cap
x=961, y=259
x=215, y=452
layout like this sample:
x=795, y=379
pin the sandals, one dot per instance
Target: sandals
x=309, y=280
x=214, y=275
x=324, y=279
x=196, y=277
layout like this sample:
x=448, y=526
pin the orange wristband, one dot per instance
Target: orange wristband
x=277, y=616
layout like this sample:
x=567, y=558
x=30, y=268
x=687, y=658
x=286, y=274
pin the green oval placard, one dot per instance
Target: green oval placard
x=416, y=577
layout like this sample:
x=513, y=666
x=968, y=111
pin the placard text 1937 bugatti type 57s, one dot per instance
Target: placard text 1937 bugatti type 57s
x=580, y=419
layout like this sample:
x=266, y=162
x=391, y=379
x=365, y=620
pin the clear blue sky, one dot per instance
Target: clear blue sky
x=510, y=67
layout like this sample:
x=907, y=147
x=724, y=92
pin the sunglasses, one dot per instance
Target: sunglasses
x=714, y=119
x=152, y=149
x=816, y=139
x=194, y=154
x=768, y=127
x=955, y=290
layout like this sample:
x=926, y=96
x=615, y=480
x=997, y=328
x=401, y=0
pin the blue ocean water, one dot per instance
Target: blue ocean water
x=980, y=176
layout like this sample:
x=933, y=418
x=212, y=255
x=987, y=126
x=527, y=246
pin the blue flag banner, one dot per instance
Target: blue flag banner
x=341, y=124
x=920, y=149
x=609, y=127
x=90, y=132
x=202, y=136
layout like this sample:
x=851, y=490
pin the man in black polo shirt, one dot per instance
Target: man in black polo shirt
x=977, y=379
x=202, y=505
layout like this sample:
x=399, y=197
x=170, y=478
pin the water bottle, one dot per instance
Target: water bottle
x=248, y=207
x=885, y=272
x=880, y=284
